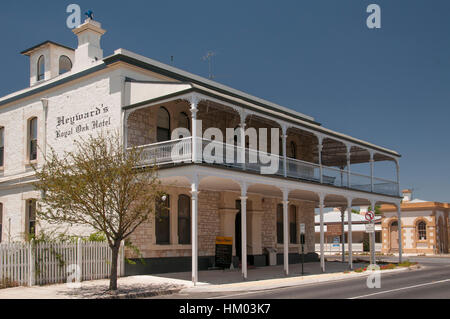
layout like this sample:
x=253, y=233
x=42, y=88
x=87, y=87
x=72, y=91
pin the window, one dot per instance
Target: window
x=162, y=222
x=293, y=224
x=163, y=130
x=31, y=217
x=280, y=234
x=184, y=220
x=1, y=221
x=2, y=146
x=184, y=121
x=65, y=65
x=41, y=68
x=422, y=230
x=32, y=139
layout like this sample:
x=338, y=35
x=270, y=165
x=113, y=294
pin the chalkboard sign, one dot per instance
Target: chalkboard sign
x=224, y=252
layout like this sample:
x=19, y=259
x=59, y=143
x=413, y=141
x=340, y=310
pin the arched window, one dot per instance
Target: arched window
x=65, y=64
x=162, y=222
x=422, y=230
x=31, y=217
x=293, y=224
x=1, y=221
x=163, y=130
x=41, y=68
x=2, y=146
x=32, y=138
x=184, y=220
x=183, y=121
x=280, y=230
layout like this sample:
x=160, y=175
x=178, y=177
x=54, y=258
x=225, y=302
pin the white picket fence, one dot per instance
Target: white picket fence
x=50, y=263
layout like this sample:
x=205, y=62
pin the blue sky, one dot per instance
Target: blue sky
x=388, y=86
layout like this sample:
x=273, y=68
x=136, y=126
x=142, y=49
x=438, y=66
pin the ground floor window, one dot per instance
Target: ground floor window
x=422, y=230
x=293, y=224
x=184, y=220
x=280, y=230
x=31, y=217
x=162, y=222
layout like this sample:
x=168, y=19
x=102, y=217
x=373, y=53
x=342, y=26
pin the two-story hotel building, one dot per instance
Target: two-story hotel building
x=75, y=92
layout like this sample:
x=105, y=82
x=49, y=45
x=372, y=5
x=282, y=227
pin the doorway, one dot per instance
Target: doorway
x=237, y=231
x=394, y=236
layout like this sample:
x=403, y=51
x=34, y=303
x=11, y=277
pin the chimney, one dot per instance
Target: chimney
x=407, y=195
x=89, y=50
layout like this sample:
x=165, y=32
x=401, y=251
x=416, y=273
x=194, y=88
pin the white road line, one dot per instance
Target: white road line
x=403, y=288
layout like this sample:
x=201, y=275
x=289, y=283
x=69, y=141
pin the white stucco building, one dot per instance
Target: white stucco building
x=75, y=92
x=336, y=224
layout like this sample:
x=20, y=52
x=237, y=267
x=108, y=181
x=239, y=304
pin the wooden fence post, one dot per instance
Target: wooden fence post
x=79, y=261
x=31, y=264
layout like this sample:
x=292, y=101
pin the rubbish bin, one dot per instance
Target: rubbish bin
x=271, y=256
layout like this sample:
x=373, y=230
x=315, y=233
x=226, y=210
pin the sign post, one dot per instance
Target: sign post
x=302, y=242
x=370, y=228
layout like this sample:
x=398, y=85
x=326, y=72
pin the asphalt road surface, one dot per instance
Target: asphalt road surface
x=431, y=281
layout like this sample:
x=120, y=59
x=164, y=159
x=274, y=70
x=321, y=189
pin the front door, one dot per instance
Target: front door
x=394, y=237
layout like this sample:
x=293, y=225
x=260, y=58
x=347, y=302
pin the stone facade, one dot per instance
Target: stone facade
x=433, y=215
x=216, y=217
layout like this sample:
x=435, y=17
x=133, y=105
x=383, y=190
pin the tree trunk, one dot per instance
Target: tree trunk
x=113, y=275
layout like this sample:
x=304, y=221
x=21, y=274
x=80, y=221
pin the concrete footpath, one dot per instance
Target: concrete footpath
x=128, y=288
x=213, y=281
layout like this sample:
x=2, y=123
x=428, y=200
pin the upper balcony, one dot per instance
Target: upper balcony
x=304, y=151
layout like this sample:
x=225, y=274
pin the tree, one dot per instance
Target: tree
x=377, y=210
x=100, y=185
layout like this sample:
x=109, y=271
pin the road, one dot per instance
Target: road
x=431, y=281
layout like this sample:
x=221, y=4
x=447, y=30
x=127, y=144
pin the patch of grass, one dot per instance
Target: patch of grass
x=388, y=266
x=407, y=263
x=361, y=269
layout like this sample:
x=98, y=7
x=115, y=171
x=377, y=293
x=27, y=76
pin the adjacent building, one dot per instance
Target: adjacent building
x=425, y=227
x=259, y=202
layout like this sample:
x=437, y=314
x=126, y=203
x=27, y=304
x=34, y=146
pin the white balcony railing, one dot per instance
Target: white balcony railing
x=226, y=155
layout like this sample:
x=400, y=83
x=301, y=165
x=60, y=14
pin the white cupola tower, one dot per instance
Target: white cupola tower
x=89, y=49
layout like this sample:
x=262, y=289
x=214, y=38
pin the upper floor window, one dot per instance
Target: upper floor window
x=293, y=150
x=65, y=64
x=422, y=230
x=184, y=220
x=162, y=222
x=1, y=221
x=163, y=125
x=293, y=224
x=280, y=230
x=41, y=68
x=2, y=146
x=184, y=121
x=31, y=217
x=32, y=138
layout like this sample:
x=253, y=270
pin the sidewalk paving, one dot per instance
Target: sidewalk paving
x=211, y=281
x=128, y=287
